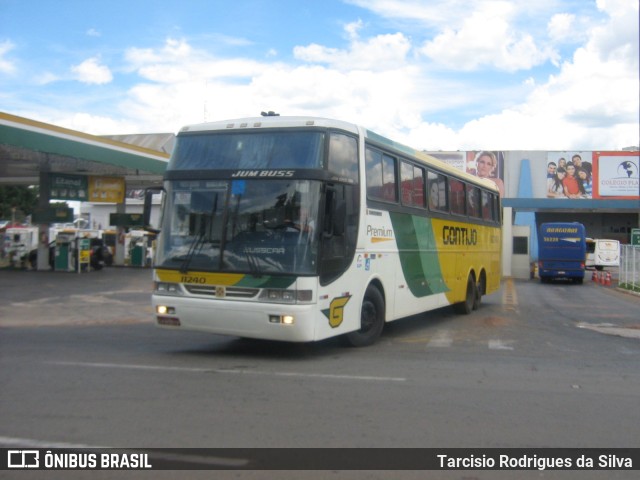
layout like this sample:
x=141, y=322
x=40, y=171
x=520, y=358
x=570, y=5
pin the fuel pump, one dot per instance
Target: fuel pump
x=137, y=249
x=64, y=252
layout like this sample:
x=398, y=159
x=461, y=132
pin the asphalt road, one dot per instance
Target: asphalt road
x=81, y=365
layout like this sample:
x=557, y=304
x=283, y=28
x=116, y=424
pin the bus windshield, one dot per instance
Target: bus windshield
x=252, y=226
x=242, y=150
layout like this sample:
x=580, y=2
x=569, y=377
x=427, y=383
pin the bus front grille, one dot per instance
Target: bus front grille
x=222, y=292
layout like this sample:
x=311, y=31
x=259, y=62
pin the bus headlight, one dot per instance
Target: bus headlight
x=165, y=288
x=165, y=310
x=275, y=295
x=282, y=319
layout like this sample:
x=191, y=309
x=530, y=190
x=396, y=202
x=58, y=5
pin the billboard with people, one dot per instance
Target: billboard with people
x=569, y=174
x=484, y=164
x=597, y=175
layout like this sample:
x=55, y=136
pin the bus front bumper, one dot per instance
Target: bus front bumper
x=285, y=322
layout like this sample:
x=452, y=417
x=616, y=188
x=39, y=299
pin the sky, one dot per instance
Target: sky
x=433, y=74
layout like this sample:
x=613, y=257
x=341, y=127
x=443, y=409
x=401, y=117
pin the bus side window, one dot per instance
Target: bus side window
x=473, y=202
x=412, y=185
x=343, y=157
x=437, y=187
x=457, y=196
x=486, y=206
x=381, y=176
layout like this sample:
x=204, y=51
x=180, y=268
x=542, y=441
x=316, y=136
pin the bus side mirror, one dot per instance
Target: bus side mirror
x=146, y=212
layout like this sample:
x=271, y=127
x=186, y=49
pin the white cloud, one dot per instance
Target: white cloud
x=428, y=13
x=92, y=32
x=382, y=52
x=187, y=85
x=591, y=101
x=96, y=124
x=487, y=37
x=6, y=66
x=178, y=62
x=92, y=72
x=45, y=78
x=562, y=27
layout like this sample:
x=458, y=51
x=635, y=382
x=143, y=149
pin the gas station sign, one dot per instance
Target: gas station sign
x=106, y=189
x=68, y=187
x=635, y=236
x=126, y=219
x=82, y=188
x=52, y=215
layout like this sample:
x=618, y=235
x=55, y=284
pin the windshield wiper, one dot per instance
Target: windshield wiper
x=197, y=244
x=252, y=261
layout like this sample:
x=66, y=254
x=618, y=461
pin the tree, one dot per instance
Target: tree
x=21, y=198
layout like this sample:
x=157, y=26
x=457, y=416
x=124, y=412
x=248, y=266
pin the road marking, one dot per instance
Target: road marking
x=497, y=344
x=441, y=339
x=628, y=331
x=31, y=443
x=230, y=371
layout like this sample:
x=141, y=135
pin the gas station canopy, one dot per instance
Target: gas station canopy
x=28, y=148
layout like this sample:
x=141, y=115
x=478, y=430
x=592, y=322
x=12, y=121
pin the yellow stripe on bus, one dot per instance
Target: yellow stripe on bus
x=200, y=278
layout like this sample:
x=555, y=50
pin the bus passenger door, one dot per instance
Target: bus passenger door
x=339, y=231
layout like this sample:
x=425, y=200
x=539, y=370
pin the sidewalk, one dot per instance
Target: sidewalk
x=111, y=295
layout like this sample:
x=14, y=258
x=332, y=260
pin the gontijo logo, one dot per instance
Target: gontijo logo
x=335, y=312
x=459, y=236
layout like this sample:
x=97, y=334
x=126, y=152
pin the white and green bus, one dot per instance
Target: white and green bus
x=300, y=229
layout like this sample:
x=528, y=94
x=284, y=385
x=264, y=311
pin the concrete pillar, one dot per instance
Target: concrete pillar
x=507, y=240
x=43, y=229
x=118, y=259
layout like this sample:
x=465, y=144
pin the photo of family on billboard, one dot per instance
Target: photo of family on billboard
x=569, y=175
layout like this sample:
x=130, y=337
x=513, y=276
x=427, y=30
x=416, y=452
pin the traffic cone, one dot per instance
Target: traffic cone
x=608, y=280
x=594, y=277
x=602, y=277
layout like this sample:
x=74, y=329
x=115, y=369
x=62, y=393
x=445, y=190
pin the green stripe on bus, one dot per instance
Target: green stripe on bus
x=418, y=254
x=266, y=281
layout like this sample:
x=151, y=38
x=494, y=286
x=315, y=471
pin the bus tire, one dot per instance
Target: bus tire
x=371, y=319
x=480, y=289
x=466, y=307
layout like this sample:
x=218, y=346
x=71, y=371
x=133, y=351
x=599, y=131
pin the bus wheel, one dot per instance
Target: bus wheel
x=466, y=307
x=371, y=319
x=479, y=291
